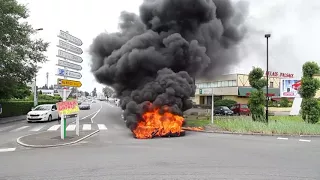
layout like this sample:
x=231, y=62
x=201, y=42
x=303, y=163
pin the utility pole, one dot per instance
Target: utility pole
x=35, y=91
x=47, y=75
x=267, y=36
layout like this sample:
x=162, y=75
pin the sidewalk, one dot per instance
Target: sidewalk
x=52, y=139
x=12, y=119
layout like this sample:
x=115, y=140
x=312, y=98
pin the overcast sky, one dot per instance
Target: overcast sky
x=292, y=23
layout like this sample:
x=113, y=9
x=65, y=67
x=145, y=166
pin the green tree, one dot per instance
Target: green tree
x=21, y=91
x=310, y=108
x=94, y=92
x=257, y=97
x=19, y=54
x=86, y=93
x=107, y=91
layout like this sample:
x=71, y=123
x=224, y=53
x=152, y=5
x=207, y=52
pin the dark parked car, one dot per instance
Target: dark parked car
x=241, y=109
x=84, y=106
x=223, y=110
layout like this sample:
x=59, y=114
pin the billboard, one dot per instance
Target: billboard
x=289, y=87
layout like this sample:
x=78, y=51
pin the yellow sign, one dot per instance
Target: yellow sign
x=70, y=83
x=68, y=107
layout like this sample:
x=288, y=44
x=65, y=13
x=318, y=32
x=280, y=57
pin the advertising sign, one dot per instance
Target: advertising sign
x=68, y=107
x=289, y=87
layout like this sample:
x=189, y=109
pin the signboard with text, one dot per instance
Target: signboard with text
x=279, y=74
x=289, y=87
x=68, y=107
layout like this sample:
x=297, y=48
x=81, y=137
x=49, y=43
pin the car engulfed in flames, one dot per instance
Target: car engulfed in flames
x=159, y=122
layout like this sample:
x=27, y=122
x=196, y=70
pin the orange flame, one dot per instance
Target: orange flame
x=155, y=124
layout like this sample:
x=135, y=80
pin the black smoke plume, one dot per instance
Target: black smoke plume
x=155, y=56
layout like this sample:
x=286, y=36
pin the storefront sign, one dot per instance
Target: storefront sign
x=289, y=87
x=279, y=74
x=269, y=94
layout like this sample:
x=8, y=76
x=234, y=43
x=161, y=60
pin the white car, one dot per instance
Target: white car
x=45, y=112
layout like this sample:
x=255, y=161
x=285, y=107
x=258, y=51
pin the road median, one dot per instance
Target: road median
x=52, y=139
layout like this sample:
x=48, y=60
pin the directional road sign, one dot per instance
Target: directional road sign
x=67, y=73
x=69, y=65
x=66, y=36
x=69, y=47
x=70, y=83
x=69, y=56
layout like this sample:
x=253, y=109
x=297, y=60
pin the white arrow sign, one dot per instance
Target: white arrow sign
x=69, y=47
x=69, y=65
x=67, y=73
x=69, y=56
x=66, y=36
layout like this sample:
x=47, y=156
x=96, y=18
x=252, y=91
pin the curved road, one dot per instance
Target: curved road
x=114, y=154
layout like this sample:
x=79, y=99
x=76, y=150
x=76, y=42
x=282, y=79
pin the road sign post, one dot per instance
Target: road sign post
x=70, y=52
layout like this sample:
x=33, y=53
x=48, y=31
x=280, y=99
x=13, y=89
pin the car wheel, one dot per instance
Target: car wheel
x=50, y=118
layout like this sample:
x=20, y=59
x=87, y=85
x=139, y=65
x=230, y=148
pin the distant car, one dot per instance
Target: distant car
x=223, y=110
x=45, y=112
x=241, y=109
x=84, y=106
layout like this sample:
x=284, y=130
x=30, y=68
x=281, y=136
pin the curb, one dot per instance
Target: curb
x=255, y=134
x=9, y=121
x=55, y=145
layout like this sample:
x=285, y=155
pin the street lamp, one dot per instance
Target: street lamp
x=35, y=94
x=267, y=36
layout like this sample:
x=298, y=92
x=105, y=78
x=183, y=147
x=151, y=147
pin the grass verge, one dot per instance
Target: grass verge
x=292, y=125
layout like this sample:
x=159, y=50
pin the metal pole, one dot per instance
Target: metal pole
x=267, y=88
x=35, y=94
x=212, y=106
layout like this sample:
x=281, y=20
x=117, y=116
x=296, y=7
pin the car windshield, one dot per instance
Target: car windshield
x=225, y=108
x=244, y=106
x=43, y=108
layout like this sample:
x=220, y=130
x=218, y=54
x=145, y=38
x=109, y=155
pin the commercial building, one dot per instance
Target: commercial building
x=235, y=87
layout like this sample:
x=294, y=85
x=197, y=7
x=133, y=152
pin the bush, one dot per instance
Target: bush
x=310, y=110
x=225, y=102
x=17, y=108
x=284, y=102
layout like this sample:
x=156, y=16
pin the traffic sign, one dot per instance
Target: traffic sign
x=67, y=73
x=69, y=47
x=66, y=36
x=69, y=56
x=70, y=83
x=69, y=65
x=60, y=91
x=206, y=91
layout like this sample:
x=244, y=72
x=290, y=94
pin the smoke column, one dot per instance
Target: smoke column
x=154, y=56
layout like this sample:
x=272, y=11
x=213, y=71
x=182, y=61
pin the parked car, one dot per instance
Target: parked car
x=222, y=110
x=241, y=109
x=84, y=106
x=45, y=112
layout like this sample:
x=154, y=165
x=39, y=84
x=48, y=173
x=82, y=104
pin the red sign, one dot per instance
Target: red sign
x=68, y=107
x=280, y=74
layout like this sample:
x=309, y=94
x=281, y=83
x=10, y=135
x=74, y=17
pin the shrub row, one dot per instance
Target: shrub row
x=17, y=108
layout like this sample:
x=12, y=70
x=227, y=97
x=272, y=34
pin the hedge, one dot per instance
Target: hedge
x=18, y=108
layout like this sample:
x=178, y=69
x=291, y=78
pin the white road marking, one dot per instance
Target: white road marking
x=86, y=127
x=7, y=149
x=102, y=127
x=71, y=127
x=96, y=113
x=280, y=138
x=20, y=128
x=54, y=128
x=304, y=140
x=38, y=128
x=88, y=115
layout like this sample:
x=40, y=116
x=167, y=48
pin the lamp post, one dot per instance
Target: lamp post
x=267, y=36
x=35, y=93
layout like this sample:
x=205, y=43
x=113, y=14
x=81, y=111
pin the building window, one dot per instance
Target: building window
x=271, y=84
x=234, y=83
x=219, y=83
x=224, y=83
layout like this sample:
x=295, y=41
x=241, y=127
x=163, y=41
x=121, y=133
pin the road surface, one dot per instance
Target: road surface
x=114, y=154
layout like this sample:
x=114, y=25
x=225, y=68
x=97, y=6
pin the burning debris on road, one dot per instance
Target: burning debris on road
x=152, y=61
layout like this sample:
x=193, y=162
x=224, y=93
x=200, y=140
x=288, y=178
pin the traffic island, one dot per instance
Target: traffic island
x=53, y=139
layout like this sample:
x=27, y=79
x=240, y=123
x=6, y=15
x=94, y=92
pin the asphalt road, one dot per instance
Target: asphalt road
x=114, y=154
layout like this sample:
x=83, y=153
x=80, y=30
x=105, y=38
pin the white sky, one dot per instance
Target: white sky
x=293, y=24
